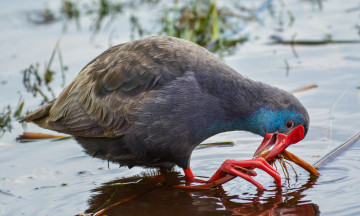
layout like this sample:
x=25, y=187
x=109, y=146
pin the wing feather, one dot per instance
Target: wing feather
x=102, y=98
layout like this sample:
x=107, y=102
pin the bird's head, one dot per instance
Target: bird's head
x=281, y=124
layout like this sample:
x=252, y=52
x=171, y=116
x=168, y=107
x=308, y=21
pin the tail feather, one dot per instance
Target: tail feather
x=39, y=113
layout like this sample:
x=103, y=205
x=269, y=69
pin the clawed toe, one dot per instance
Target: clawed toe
x=232, y=168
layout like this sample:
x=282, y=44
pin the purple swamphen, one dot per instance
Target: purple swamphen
x=150, y=102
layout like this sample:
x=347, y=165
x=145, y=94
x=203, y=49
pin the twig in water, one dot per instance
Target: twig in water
x=305, y=88
x=31, y=135
x=204, y=145
x=337, y=151
x=292, y=41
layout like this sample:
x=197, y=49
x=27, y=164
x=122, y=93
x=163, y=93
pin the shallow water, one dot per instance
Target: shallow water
x=58, y=178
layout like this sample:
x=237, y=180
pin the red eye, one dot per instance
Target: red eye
x=289, y=124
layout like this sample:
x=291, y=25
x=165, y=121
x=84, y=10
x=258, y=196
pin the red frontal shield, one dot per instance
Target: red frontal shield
x=280, y=141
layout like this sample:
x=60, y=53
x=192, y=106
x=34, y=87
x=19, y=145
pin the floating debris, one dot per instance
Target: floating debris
x=278, y=40
x=305, y=88
x=204, y=145
x=32, y=136
x=306, y=166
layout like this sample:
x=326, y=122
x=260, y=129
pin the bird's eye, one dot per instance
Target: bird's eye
x=289, y=124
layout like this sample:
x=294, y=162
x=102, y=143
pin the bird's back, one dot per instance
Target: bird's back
x=101, y=100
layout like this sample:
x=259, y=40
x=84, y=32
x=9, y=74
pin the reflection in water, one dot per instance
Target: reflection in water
x=155, y=196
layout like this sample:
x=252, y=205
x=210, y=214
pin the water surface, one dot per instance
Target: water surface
x=58, y=178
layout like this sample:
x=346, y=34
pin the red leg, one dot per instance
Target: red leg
x=234, y=167
x=189, y=175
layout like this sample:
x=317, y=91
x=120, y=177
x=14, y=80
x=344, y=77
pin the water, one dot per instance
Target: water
x=58, y=178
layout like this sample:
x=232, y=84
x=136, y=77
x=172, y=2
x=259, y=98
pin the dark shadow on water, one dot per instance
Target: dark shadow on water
x=156, y=196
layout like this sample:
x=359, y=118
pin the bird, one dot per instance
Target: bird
x=152, y=101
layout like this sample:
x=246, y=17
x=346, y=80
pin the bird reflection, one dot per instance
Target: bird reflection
x=154, y=195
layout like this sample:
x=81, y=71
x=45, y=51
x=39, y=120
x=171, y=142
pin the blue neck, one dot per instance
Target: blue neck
x=223, y=126
x=262, y=121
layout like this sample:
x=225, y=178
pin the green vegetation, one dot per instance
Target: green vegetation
x=40, y=84
x=99, y=10
x=5, y=120
x=70, y=9
x=204, y=23
x=36, y=84
x=6, y=117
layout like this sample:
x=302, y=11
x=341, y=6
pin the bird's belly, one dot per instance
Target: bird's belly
x=115, y=150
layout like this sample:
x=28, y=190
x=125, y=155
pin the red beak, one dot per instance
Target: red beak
x=281, y=141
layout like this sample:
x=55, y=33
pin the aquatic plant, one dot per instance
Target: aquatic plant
x=73, y=10
x=5, y=120
x=40, y=84
x=204, y=23
x=6, y=117
x=70, y=9
x=33, y=82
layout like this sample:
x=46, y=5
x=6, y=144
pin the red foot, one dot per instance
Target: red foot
x=191, y=177
x=242, y=169
x=233, y=167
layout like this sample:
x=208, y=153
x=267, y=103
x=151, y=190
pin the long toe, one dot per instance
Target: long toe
x=233, y=167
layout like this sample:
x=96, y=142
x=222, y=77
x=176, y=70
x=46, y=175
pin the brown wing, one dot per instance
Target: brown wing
x=102, y=98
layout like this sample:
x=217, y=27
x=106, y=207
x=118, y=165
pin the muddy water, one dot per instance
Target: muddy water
x=58, y=178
